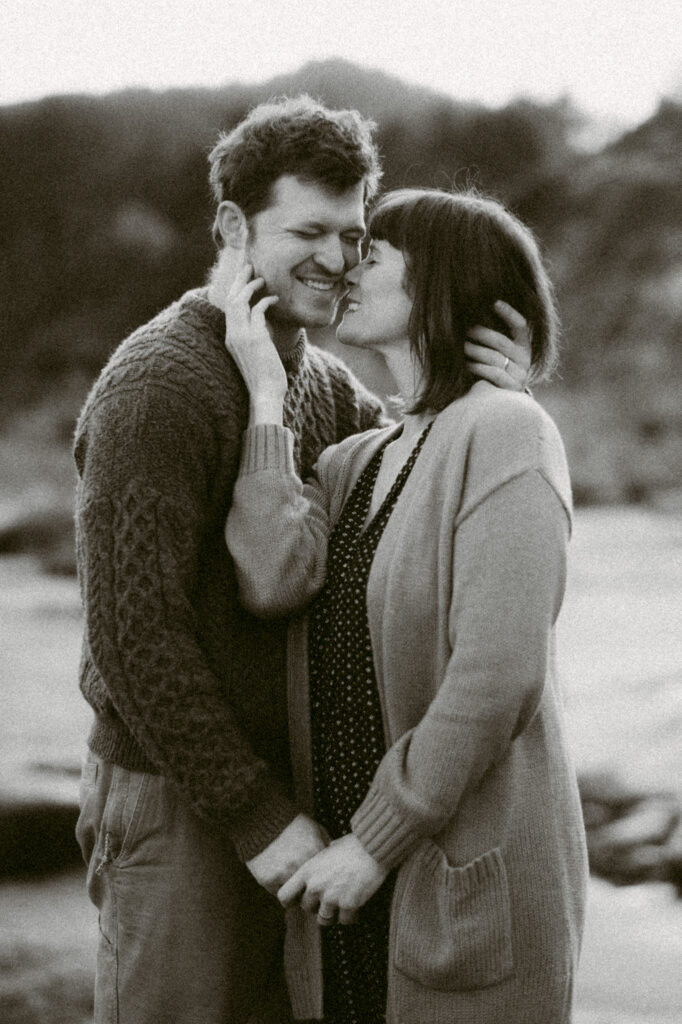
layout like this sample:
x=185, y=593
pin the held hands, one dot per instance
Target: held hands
x=248, y=341
x=332, y=881
x=501, y=360
x=300, y=840
x=335, y=883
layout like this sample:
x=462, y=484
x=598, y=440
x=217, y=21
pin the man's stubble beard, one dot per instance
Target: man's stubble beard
x=283, y=319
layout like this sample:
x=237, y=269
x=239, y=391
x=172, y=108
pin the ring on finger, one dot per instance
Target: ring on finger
x=506, y=365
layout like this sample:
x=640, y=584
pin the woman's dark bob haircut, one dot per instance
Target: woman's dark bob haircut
x=463, y=252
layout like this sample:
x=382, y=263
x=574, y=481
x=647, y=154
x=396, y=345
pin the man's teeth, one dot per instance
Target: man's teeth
x=316, y=285
x=352, y=306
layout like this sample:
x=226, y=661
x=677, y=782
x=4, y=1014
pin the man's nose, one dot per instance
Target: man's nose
x=330, y=255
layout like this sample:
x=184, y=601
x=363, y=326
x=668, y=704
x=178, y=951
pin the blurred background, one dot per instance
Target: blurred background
x=574, y=119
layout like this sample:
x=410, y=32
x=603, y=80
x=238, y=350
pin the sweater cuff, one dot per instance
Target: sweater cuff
x=252, y=832
x=267, y=446
x=383, y=833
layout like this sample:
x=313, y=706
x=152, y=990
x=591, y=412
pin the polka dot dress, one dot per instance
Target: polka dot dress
x=348, y=740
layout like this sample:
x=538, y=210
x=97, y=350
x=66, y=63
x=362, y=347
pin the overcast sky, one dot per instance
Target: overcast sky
x=616, y=58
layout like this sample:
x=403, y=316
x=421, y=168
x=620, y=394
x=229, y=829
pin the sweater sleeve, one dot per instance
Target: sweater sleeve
x=277, y=527
x=144, y=457
x=508, y=577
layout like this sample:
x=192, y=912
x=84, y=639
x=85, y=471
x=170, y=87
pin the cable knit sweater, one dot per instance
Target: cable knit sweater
x=475, y=801
x=183, y=681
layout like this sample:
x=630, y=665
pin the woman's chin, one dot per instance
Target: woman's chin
x=345, y=333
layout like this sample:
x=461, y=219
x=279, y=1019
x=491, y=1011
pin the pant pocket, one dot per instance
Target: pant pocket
x=123, y=798
x=453, y=924
x=87, y=824
x=124, y=813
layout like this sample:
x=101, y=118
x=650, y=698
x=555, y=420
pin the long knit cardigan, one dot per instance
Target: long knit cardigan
x=476, y=799
x=183, y=681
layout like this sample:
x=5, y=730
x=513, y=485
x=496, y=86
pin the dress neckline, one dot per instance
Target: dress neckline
x=396, y=487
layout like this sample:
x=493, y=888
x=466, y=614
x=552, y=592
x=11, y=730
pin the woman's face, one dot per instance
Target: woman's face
x=377, y=306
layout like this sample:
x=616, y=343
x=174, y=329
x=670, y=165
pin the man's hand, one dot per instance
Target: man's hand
x=300, y=840
x=495, y=357
x=335, y=883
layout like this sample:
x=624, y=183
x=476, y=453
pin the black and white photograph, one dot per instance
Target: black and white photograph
x=340, y=512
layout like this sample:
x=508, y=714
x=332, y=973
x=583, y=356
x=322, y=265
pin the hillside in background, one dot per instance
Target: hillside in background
x=105, y=217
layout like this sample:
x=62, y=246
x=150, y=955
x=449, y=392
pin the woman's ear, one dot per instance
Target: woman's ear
x=230, y=225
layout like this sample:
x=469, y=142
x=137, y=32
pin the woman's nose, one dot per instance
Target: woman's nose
x=352, y=276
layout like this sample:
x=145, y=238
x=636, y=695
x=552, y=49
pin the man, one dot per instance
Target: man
x=187, y=822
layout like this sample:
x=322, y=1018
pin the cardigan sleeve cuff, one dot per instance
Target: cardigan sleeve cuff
x=267, y=446
x=253, y=831
x=383, y=833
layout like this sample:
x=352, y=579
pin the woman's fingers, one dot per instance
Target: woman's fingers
x=310, y=901
x=499, y=359
x=296, y=891
x=516, y=323
x=242, y=290
x=326, y=914
x=347, y=916
x=293, y=889
x=500, y=378
x=488, y=347
x=240, y=278
x=264, y=304
x=510, y=351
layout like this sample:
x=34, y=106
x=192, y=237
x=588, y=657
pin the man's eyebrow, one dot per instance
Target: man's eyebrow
x=318, y=225
x=314, y=224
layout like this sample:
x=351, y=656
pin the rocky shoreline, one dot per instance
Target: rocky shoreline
x=633, y=836
x=620, y=653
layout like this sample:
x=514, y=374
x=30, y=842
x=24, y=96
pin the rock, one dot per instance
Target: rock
x=38, y=814
x=632, y=837
x=605, y=787
x=37, y=838
x=649, y=821
x=44, y=530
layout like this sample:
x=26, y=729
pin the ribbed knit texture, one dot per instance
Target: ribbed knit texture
x=183, y=681
x=476, y=801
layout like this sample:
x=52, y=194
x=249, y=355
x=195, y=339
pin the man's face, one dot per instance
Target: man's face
x=303, y=244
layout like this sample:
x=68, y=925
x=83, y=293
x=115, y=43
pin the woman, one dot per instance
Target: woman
x=426, y=725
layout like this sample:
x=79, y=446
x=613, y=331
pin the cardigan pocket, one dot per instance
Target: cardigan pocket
x=453, y=924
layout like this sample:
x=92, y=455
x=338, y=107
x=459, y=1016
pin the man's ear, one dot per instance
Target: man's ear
x=230, y=225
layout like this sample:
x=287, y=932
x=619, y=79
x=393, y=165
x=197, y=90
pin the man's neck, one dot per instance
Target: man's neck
x=284, y=336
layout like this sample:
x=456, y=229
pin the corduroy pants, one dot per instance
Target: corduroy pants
x=185, y=934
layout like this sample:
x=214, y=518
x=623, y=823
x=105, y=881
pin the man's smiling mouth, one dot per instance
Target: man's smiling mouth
x=317, y=285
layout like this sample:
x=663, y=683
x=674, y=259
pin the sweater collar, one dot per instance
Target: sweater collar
x=292, y=360
x=197, y=301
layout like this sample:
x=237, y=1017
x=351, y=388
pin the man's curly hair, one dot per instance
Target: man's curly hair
x=333, y=148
